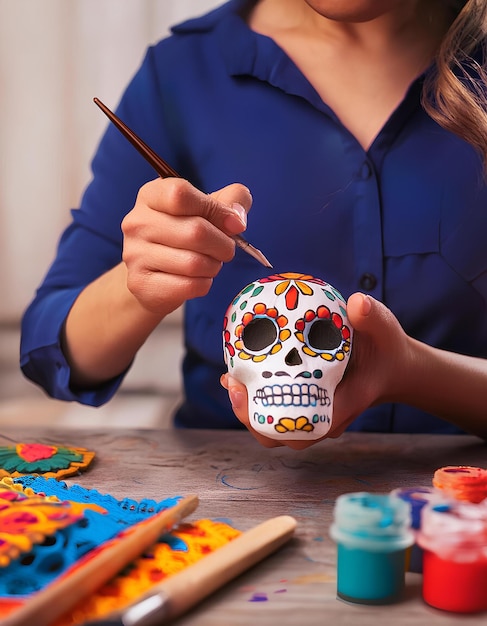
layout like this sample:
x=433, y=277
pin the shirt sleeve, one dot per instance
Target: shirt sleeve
x=92, y=243
x=42, y=359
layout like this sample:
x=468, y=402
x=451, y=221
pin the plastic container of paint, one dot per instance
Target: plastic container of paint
x=417, y=497
x=454, y=541
x=462, y=482
x=372, y=533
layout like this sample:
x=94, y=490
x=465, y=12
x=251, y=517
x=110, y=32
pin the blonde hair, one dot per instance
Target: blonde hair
x=455, y=88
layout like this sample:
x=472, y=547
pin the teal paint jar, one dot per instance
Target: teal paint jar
x=372, y=533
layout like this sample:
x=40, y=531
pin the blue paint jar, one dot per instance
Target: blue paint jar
x=372, y=533
x=417, y=497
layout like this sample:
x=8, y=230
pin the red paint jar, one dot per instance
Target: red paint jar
x=454, y=541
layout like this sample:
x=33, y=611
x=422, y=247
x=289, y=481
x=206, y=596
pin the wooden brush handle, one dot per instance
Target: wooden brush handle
x=183, y=590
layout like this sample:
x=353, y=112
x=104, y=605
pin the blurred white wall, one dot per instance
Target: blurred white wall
x=55, y=56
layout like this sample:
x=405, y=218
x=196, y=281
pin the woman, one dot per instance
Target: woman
x=354, y=130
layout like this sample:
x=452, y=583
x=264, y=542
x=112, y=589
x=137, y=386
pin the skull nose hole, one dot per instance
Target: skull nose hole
x=293, y=358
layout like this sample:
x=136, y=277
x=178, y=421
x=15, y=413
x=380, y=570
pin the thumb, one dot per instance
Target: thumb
x=359, y=308
x=227, y=208
x=369, y=316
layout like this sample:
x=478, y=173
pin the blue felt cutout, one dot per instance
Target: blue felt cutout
x=46, y=561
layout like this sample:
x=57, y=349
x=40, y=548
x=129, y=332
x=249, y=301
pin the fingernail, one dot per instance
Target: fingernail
x=236, y=399
x=238, y=208
x=240, y=212
x=366, y=305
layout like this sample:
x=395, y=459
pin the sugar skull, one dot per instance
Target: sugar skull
x=288, y=339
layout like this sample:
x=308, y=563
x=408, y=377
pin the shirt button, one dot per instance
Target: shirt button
x=368, y=282
x=365, y=171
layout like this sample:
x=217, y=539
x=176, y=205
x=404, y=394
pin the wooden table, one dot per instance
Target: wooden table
x=244, y=483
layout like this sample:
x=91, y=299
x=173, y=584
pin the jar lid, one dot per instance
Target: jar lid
x=379, y=522
x=462, y=482
x=455, y=530
x=418, y=497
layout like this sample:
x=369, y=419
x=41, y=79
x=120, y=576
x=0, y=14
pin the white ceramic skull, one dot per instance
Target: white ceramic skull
x=288, y=339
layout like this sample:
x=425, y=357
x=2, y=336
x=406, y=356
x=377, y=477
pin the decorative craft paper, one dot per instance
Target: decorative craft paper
x=176, y=550
x=46, y=460
x=26, y=520
x=101, y=518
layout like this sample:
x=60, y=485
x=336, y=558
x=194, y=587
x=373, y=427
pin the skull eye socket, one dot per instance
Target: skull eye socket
x=259, y=334
x=324, y=335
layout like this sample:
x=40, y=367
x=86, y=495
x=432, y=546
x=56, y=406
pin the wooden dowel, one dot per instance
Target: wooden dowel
x=183, y=590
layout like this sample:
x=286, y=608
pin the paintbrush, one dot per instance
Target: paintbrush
x=88, y=575
x=183, y=590
x=165, y=170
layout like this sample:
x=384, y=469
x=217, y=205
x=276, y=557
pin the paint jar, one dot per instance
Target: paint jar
x=462, y=482
x=417, y=497
x=454, y=541
x=372, y=533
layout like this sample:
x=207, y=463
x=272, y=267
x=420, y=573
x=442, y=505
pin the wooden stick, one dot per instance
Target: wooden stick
x=181, y=591
x=92, y=572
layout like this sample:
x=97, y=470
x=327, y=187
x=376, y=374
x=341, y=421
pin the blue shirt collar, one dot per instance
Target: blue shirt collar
x=247, y=53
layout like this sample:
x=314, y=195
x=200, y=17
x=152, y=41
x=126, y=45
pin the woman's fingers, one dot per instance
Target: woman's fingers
x=225, y=208
x=176, y=239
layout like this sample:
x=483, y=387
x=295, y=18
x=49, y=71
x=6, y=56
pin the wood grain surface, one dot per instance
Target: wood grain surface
x=244, y=484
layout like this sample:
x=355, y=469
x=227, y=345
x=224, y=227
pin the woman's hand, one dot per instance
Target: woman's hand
x=176, y=239
x=380, y=358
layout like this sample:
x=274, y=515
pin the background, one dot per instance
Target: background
x=55, y=56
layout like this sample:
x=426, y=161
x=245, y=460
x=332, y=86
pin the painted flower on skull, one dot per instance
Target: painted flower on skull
x=293, y=287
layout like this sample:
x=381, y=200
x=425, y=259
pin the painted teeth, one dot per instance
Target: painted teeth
x=292, y=395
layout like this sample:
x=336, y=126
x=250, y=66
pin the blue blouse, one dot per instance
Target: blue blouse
x=405, y=221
